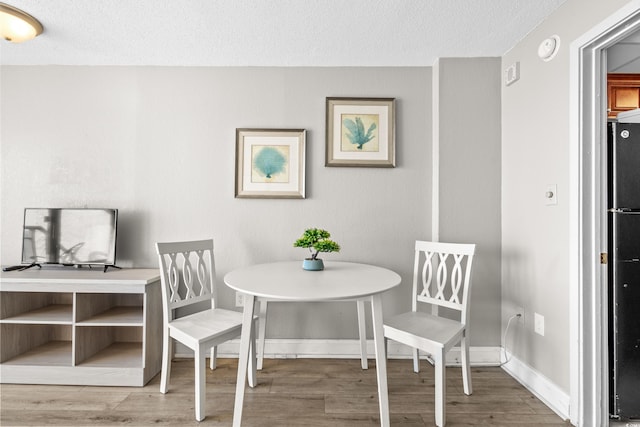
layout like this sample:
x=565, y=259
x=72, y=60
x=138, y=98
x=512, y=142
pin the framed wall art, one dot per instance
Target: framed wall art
x=270, y=163
x=361, y=132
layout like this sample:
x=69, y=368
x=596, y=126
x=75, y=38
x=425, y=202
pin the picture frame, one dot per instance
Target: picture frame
x=270, y=163
x=360, y=132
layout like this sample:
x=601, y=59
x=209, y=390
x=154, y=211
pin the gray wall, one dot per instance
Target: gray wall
x=535, y=152
x=469, y=179
x=158, y=144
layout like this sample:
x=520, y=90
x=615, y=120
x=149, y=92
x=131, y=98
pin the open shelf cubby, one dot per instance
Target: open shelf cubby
x=65, y=326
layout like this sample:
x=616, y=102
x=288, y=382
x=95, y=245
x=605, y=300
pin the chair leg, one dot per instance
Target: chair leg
x=416, y=360
x=213, y=358
x=167, y=353
x=362, y=330
x=200, y=375
x=252, y=358
x=466, y=368
x=440, y=380
x=262, y=330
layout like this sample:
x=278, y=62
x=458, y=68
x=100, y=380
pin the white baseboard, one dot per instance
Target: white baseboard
x=545, y=390
x=348, y=349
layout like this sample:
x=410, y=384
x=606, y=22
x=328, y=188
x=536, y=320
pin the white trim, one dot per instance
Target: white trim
x=545, y=390
x=435, y=145
x=348, y=349
x=576, y=345
x=588, y=352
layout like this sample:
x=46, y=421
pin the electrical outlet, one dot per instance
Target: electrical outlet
x=239, y=299
x=538, y=324
x=520, y=311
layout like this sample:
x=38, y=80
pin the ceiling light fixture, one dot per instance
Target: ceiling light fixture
x=17, y=26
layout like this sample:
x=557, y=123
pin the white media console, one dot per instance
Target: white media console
x=80, y=326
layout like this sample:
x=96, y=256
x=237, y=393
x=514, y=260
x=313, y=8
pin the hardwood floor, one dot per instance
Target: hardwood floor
x=290, y=392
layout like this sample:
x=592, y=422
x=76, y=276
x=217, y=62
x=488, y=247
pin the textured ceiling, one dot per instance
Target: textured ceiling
x=272, y=32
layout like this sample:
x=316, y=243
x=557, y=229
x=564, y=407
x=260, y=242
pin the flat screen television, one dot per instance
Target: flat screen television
x=69, y=236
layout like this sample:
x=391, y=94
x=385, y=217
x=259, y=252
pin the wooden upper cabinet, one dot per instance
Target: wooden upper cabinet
x=623, y=92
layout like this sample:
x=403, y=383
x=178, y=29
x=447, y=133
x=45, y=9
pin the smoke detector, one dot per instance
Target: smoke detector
x=549, y=48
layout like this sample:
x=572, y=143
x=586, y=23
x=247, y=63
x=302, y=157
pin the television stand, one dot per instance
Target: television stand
x=80, y=327
x=112, y=266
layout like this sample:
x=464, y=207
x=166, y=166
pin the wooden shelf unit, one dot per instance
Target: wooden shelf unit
x=623, y=93
x=80, y=326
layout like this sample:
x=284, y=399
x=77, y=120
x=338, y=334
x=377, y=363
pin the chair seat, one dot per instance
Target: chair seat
x=206, y=325
x=419, y=329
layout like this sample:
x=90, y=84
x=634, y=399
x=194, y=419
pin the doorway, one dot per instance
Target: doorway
x=588, y=290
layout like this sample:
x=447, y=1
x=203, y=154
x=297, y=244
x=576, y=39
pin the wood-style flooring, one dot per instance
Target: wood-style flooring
x=290, y=392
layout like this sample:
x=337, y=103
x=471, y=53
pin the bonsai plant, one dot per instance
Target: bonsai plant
x=316, y=240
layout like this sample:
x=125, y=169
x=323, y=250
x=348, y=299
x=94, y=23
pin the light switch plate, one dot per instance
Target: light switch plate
x=512, y=74
x=538, y=325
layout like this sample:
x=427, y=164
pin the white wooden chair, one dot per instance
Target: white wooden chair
x=441, y=278
x=188, y=286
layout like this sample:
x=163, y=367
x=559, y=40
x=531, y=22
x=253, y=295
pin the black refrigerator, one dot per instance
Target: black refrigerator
x=624, y=269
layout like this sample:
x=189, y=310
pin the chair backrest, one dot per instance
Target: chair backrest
x=442, y=276
x=187, y=274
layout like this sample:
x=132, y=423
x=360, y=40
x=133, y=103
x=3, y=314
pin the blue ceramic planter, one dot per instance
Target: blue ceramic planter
x=313, y=264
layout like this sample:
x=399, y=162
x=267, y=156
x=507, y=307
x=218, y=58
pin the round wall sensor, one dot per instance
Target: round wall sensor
x=549, y=48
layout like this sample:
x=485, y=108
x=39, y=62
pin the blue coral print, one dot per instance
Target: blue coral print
x=354, y=135
x=269, y=164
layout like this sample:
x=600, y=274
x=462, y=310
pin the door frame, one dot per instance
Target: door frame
x=589, y=404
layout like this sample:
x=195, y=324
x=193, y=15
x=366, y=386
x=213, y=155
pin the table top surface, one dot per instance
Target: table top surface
x=287, y=281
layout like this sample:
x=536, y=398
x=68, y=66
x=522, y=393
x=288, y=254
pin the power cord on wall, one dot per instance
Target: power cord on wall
x=504, y=338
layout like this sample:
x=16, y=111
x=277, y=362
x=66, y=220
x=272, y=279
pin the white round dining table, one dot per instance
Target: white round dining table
x=287, y=281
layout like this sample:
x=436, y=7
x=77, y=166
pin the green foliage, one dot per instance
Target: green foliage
x=318, y=240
